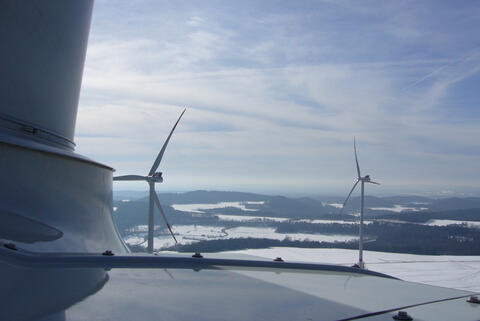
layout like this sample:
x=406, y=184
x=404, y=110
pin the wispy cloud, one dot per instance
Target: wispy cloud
x=273, y=90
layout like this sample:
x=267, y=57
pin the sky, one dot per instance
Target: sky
x=275, y=92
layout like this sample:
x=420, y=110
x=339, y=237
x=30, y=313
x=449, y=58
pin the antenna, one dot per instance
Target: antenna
x=152, y=178
x=362, y=180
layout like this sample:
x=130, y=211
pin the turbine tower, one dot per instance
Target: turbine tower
x=152, y=178
x=363, y=180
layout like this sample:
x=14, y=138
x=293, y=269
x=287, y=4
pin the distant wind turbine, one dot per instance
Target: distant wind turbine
x=152, y=178
x=363, y=180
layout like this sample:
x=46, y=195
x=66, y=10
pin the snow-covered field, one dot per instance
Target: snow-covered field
x=187, y=234
x=399, y=208
x=452, y=222
x=269, y=233
x=460, y=272
x=197, y=208
x=245, y=218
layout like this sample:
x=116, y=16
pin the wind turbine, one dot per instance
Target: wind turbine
x=363, y=180
x=152, y=178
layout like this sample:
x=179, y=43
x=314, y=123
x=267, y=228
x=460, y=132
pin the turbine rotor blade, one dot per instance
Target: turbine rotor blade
x=160, y=154
x=157, y=201
x=373, y=182
x=356, y=158
x=129, y=178
x=346, y=200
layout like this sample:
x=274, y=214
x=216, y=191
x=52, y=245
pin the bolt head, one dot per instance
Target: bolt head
x=11, y=246
x=108, y=253
x=402, y=315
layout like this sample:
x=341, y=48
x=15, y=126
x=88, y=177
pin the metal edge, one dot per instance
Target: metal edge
x=18, y=257
x=36, y=146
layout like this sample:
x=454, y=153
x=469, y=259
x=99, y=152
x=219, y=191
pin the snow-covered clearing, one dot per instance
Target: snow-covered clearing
x=399, y=208
x=452, y=222
x=337, y=205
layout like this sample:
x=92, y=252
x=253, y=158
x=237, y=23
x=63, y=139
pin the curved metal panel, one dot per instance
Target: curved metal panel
x=71, y=197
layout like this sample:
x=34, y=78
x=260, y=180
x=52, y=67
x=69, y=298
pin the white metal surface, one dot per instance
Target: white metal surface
x=44, y=45
x=216, y=287
x=67, y=195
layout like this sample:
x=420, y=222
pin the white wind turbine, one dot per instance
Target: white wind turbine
x=363, y=180
x=152, y=178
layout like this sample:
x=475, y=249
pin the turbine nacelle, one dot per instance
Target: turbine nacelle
x=366, y=178
x=156, y=177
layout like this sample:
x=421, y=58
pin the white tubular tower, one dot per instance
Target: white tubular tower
x=51, y=199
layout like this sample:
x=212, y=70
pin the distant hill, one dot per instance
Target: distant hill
x=304, y=207
x=273, y=205
x=404, y=203
x=129, y=214
x=454, y=203
x=209, y=197
x=470, y=214
x=408, y=199
x=397, y=232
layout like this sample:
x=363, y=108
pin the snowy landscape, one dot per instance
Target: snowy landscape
x=311, y=230
x=187, y=234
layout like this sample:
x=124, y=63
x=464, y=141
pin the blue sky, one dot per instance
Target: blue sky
x=276, y=90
